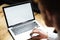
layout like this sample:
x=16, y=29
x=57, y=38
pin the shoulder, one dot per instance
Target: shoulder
x=52, y=36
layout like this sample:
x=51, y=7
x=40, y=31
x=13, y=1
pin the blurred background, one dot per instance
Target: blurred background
x=10, y=2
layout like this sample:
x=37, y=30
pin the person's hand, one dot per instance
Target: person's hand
x=42, y=35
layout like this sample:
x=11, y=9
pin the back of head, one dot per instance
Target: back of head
x=51, y=5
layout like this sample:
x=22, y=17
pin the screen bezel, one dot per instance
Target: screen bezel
x=16, y=5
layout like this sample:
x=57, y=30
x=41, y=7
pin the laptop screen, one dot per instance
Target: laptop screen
x=18, y=14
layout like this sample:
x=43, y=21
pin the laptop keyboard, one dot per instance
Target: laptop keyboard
x=24, y=28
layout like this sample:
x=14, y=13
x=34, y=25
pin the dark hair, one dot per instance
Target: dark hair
x=51, y=5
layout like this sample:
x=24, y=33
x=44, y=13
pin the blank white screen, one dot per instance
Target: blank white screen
x=18, y=14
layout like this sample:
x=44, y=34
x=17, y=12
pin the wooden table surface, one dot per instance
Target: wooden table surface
x=4, y=34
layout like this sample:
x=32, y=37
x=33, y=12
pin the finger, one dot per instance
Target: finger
x=35, y=30
x=34, y=33
x=39, y=36
x=33, y=39
x=36, y=37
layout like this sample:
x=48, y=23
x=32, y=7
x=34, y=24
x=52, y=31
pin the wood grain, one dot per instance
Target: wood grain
x=4, y=34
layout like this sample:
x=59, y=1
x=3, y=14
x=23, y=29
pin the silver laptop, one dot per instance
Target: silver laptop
x=20, y=20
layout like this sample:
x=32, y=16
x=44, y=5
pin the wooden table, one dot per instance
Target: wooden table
x=4, y=34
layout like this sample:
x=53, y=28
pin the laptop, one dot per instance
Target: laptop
x=20, y=20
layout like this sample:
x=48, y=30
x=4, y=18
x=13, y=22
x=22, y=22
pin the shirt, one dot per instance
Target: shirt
x=51, y=34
